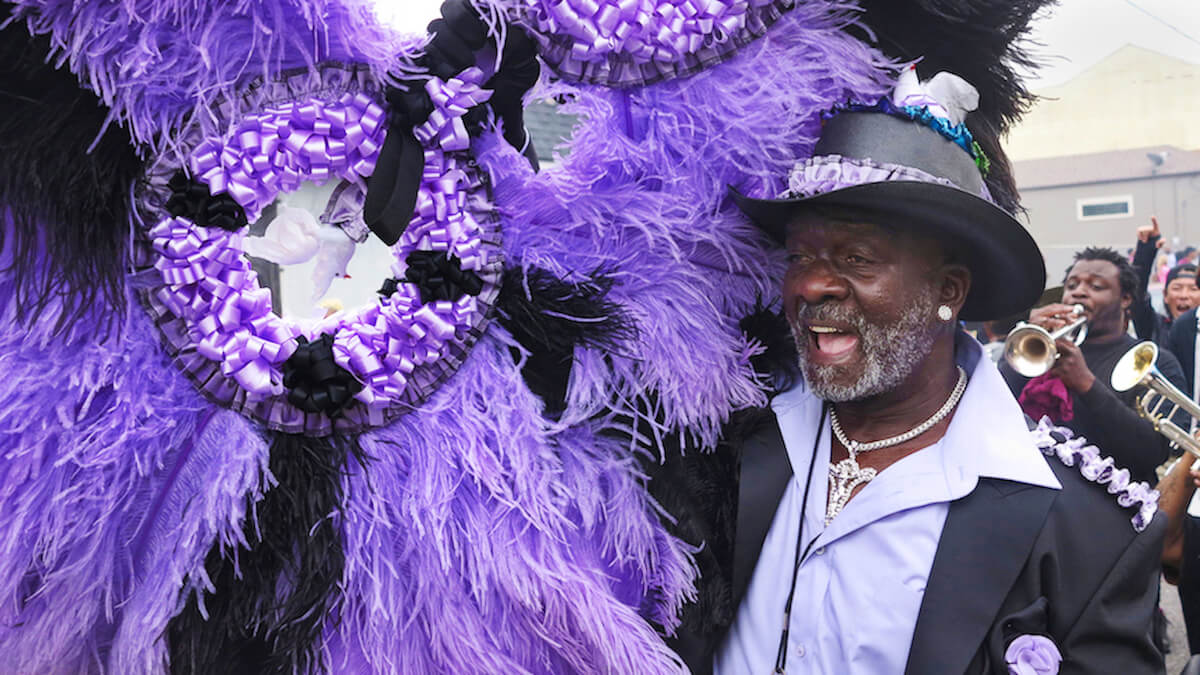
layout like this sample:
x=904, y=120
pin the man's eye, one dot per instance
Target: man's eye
x=856, y=260
x=799, y=258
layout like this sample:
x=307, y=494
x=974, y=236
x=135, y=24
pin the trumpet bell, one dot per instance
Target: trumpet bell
x=1162, y=400
x=1030, y=350
x=1134, y=365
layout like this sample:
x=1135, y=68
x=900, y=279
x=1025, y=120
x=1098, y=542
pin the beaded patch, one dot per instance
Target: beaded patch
x=1074, y=450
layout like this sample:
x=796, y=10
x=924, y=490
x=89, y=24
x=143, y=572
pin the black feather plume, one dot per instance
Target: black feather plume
x=65, y=179
x=978, y=40
x=252, y=628
x=697, y=492
x=549, y=317
x=777, y=363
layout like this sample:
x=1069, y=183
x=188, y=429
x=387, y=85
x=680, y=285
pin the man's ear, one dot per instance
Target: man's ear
x=955, y=284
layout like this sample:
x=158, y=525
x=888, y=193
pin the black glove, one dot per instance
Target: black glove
x=457, y=36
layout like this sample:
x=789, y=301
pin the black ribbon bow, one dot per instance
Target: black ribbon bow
x=440, y=276
x=315, y=382
x=191, y=199
x=392, y=188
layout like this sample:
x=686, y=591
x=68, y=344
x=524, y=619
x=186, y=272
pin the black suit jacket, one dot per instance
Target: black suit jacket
x=1182, y=343
x=1013, y=559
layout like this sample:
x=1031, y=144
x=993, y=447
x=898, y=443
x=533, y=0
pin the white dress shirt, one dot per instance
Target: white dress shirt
x=859, y=590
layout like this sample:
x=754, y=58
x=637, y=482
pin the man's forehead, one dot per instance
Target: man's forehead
x=1103, y=268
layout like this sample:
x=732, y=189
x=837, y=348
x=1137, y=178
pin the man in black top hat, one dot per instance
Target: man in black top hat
x=893, y=511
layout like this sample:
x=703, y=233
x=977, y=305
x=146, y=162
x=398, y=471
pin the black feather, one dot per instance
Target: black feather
x=698, y=495
x=549, y=317
x=69, y=201
x=778, y=363
x=251, y=628
x=978, y=40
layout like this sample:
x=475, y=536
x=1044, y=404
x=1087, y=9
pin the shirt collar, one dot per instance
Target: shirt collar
x=987, y=436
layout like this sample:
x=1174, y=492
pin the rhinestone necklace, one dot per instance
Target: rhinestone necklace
x=847, y=474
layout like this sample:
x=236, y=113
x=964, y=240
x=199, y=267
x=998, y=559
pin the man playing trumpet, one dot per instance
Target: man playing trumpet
x=1076, y=393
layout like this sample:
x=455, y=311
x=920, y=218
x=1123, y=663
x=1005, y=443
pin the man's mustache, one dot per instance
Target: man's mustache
x=807, y=313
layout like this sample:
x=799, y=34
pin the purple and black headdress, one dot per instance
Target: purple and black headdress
x=450, y=478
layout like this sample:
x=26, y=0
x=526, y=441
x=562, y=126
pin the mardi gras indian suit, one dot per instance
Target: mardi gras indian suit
x=449, y=478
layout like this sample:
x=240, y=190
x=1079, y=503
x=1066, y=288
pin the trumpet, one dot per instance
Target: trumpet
x=1137, y=367
x=1030, y=350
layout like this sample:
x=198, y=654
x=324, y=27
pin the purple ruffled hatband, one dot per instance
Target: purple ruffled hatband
x=629, y=43
x=1075, y=451
x=826, y=173
x=216, y=320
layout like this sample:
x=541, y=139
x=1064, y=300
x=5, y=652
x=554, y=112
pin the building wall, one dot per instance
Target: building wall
x=1053, y=219
x=1134, y=98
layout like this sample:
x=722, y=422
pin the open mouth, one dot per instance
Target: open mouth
x=831, y=343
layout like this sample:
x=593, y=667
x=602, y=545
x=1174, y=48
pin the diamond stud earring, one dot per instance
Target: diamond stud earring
x=944, y=312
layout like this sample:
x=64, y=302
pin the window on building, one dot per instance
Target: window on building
x=1100, y=208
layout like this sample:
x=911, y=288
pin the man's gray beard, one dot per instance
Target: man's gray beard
x=891, y=351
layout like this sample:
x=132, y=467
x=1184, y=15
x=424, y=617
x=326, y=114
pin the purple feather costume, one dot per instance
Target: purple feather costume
x=478, y=534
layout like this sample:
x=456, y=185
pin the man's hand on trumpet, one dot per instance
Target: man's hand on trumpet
x=1071, y=367
x=1054, y=316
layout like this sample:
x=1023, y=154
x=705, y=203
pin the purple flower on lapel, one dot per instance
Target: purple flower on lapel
x=1032, y=655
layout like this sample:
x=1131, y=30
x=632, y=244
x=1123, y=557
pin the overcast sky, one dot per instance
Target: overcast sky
x=1078, y=33
x=1074, y=36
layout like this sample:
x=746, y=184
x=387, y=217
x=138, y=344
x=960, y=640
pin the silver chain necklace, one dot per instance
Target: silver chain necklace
x=847, y=474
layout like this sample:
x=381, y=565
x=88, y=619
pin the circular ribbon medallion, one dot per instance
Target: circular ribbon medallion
x=356, y=368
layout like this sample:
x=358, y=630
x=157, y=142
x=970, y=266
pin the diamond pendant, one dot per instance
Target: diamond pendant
x=843, y=478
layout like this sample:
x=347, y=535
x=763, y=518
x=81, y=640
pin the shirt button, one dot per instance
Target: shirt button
x=821, y=551
x=800, y=651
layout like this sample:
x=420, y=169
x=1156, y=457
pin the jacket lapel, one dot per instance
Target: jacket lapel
x=765, y=472
x=985, y=542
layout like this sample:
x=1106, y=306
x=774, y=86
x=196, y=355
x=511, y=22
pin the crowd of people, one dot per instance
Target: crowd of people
x=1114, y=290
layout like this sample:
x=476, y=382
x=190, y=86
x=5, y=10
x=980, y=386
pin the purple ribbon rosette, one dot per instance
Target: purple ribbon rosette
x=1032, y=655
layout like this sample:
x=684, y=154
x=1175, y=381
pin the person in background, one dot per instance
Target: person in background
x=1076, y=392
x=1181, y=547
x=991, y=334
x=1179, y=294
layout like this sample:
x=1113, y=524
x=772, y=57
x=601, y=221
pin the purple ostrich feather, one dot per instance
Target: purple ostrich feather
x=157, y=63
x=116, y=479
x=643, y=193
x=537, y=545
x=481, y=538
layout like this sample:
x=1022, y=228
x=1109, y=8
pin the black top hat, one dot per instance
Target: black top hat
x=899, y=166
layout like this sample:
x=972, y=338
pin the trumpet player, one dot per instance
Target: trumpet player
x=1181, y=546
x=1076, y=391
